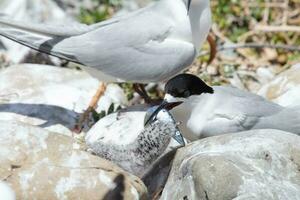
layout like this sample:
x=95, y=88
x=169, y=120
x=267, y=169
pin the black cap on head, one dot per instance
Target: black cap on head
x=185, y=85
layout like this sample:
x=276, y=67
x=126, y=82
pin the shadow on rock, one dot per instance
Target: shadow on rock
x=52, y=115
x=156, y=178
x=117, y=192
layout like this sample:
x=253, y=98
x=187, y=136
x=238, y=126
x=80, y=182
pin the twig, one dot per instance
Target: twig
x=255, y=4
x=266, y=13
x=218, y=33
x=283, y=28
x=254, y=46
x=262, y=5
x=259, y=46
x=285, y=13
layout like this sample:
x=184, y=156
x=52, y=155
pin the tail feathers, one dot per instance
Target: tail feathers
x=47, y=30
x=37, y=42
x=42, y=37
x=287, y=119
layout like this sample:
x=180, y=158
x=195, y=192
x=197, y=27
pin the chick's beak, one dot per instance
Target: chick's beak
x=164, y=105
x=168, y=106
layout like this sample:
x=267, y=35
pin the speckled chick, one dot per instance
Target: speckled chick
x=137, y=156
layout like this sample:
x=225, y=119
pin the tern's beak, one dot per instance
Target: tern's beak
x=164, y=105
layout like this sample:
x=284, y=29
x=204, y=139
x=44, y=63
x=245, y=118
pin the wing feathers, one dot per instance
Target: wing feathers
x=43, y=37
x=47, y=30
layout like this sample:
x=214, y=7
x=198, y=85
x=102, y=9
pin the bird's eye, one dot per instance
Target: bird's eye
x=186, y=93
x=175, y=93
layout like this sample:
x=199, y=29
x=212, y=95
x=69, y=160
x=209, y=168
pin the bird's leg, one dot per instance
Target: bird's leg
x=140, y=89
x=157, y=193
x=213, y=48
x=93, y=104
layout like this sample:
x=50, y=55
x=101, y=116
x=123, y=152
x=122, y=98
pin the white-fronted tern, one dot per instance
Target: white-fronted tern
x=206, y=111
x=149, y=45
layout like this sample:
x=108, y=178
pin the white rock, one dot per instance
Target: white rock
x=6, y=193
x=50, y=97
x=284, y=89
x=258, y=164
x=265, y=75
x=39, y=164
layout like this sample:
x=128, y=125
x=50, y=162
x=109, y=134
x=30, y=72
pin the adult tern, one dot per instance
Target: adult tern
x=149, y=45
x=206, y=111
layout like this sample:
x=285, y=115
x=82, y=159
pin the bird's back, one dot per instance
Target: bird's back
x=150, y=44
x=244, y=102
x=227, y=110
x=142, y=47
x=288, y=119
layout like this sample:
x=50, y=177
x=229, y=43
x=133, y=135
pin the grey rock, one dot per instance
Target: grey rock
x=50, y=97
x=258, y=164
x=38, y=164
x=284, y=89
x=156, y=177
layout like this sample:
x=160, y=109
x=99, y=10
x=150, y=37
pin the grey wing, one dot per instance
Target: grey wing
x=241, y=110
x=251, y=104
x=136, y=48
x=42, y=37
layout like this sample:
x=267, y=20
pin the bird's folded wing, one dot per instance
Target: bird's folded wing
x=245, y=109
x=54, y=30
x=118, y=47
x=46, y=29
x=43, y=37
x=137, y=48
x=240, y=121
x=287, y=119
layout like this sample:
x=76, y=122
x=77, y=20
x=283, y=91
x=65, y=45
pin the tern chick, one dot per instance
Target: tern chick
x=138, y=156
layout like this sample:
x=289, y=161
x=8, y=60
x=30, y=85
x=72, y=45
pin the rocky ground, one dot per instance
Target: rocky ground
x=39, y=104
x=41, y=158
